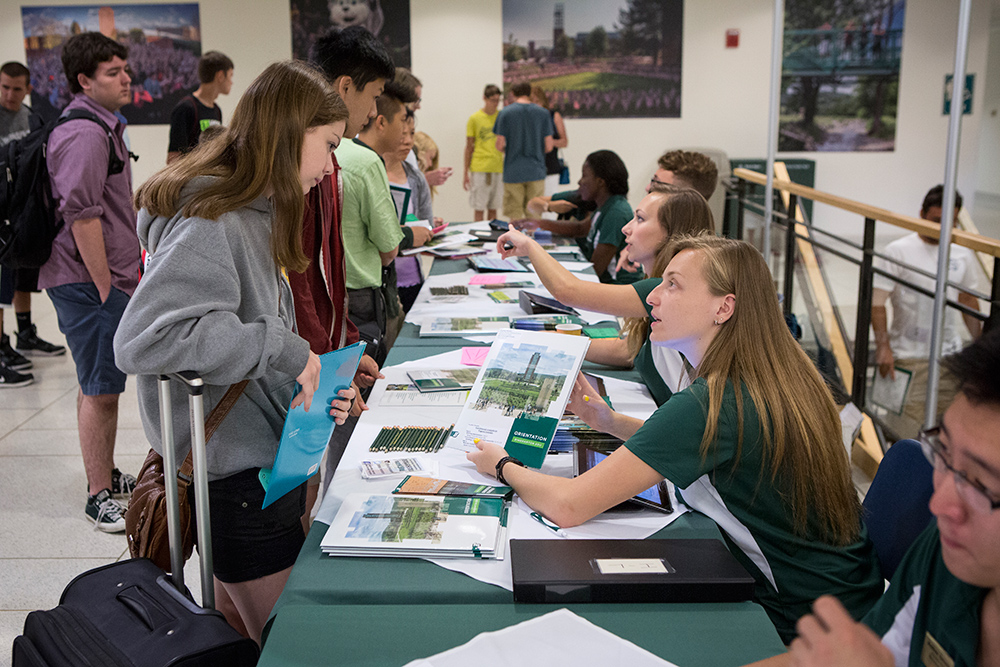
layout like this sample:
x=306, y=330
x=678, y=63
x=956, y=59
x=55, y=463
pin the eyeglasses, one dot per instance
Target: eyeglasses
x=971, y=491
x=656, y=181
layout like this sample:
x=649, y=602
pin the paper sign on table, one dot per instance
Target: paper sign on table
x=474, y=356
x=486, y=279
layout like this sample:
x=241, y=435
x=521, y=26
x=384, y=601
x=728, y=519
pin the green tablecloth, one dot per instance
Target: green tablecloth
x=325, y=580
x=689, y=635
x=388, y=611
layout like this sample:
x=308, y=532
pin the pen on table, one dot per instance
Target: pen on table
x=548, y=524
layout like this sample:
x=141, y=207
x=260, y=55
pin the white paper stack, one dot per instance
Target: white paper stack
x=418, y=526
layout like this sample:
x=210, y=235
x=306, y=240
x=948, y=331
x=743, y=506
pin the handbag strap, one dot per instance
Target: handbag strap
x=215, y=418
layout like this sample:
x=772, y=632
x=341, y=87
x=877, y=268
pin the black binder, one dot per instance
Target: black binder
x=568, y=571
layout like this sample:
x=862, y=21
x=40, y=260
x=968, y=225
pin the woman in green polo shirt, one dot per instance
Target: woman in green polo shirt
x=665, y=212
x=754, y=443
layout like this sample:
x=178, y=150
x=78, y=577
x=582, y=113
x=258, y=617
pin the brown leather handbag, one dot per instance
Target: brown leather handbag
x=146, y=517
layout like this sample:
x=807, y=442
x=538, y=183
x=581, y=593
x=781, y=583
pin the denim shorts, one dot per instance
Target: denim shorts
x=89, y=327
x=249, y=542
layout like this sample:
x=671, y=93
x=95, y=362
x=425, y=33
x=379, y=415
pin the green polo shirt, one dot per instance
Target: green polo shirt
x=606, y=227
x=643, y=361
x=790, y=570
x=925, y=598
x=370, y=223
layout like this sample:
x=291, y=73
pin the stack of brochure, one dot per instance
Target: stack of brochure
x=431, y=486
x=418, y=526
x=457, y=379
x=463, y=326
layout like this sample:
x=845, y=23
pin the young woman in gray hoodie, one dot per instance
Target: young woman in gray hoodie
x=221, y=226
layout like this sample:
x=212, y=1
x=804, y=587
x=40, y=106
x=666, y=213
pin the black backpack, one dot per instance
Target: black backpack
x=29, y=220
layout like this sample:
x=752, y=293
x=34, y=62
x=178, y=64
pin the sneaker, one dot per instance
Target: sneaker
x=10, y=358
x=29, y=343
x=122, y=484
x=11, y=378
x=107, y=513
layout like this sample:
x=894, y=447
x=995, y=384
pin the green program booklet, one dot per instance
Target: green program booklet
x=418, y=526
x=430, y=486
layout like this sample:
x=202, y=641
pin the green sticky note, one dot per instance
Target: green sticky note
x=601, y=332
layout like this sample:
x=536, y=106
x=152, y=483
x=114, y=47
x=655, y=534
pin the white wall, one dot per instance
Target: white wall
x=988, y=176
x=457, y=49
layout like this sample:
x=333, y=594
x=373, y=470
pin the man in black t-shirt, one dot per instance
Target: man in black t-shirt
x=198, y=111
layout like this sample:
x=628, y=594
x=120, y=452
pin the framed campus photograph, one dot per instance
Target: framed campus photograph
x=164, y=43
x=597, y=58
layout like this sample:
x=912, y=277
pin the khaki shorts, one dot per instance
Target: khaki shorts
x=517, y=195
x=485, y=190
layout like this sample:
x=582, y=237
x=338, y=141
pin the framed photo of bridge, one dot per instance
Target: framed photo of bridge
x=840, y=75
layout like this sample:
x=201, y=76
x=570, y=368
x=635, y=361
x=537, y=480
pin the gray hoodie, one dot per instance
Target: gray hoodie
x=212, y=301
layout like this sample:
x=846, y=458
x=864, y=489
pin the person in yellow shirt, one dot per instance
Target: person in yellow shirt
x=483, y=169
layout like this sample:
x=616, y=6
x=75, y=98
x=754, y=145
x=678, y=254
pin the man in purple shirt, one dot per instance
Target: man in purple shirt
x=94, y=267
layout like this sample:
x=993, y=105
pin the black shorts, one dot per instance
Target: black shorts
x=249, y=542
x=21, y=280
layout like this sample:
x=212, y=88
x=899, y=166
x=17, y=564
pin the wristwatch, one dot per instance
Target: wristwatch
x=500, y=465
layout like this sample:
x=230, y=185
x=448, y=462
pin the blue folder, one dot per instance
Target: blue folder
x=305, y=434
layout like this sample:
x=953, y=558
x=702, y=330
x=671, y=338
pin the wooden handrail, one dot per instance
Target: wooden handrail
x=866, y=452
x=972, y=241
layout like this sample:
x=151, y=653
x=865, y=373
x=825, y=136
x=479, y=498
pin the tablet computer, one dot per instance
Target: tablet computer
x=656, y=497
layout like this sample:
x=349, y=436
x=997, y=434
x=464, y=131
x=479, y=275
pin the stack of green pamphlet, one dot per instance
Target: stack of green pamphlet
x=429, y=486
x=418, y=526
x=453, y=379
x=463, y=326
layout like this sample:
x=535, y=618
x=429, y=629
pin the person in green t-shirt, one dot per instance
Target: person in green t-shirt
x=483, y=173
x=603, y=181
x=667, y=211
x=754, y=443
x=943, y=604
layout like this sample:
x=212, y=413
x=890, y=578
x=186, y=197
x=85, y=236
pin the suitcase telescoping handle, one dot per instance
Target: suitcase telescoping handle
x=196, y=402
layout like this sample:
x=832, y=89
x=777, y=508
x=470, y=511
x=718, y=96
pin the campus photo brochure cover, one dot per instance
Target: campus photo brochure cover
x=521, y=393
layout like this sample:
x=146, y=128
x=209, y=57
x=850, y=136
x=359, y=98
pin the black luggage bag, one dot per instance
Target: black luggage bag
x=131, y=613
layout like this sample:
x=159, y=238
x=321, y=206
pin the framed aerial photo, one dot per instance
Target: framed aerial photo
x=597, y=58
x=164, y=43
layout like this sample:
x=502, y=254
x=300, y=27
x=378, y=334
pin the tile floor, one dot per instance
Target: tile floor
x=45, y=538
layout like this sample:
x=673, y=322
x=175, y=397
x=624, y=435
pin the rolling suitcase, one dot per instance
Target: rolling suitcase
x=131, y=613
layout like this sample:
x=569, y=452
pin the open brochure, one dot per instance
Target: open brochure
x=418, y=526
x=521, y=393
x=305, y=434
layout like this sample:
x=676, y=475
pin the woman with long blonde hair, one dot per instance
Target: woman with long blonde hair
x=221, y=226
x=754, y=443
x=667, y=211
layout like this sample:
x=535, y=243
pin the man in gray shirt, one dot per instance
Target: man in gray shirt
x=16, y=286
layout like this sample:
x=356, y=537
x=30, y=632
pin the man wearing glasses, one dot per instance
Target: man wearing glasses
x=943, y=604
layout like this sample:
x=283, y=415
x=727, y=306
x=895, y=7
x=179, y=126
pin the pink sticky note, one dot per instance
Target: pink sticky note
x=474, y=356
x=487, y=279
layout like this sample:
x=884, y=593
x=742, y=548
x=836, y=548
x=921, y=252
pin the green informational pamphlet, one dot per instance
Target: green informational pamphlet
x=529, y=439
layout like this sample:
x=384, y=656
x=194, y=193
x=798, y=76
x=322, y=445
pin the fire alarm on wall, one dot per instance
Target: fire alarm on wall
x=732, y=38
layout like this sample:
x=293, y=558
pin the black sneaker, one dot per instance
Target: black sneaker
x=29, y=343
x=11, y=378
x=10, y=358
x=107, y=513
x=122, y=484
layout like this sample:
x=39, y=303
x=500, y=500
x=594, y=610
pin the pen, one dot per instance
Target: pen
x=548, y=524
x=508, y=246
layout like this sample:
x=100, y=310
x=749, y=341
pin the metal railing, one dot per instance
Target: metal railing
x=802, y=239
